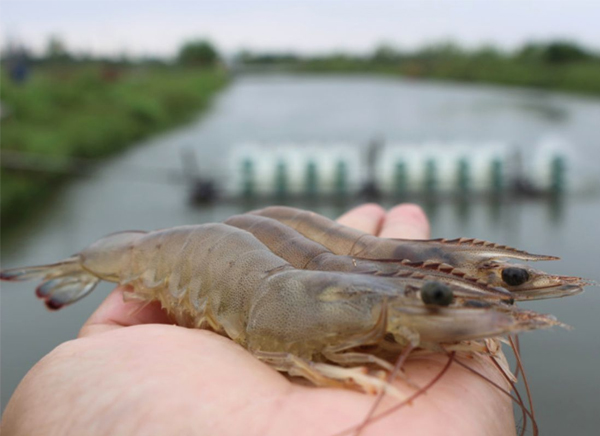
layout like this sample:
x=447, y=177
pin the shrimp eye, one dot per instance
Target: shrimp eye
x=514, y=276
x=437, y=294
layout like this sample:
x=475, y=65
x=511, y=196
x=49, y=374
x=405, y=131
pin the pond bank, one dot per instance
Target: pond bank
x=581, y=78
x=90, y=112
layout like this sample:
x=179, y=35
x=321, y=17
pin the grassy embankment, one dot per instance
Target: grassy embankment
x=90, y=112
x=578, y=77
x=556, y=65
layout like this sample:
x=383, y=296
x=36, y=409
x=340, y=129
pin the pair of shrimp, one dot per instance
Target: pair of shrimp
x=474, y=267
x=308, y=296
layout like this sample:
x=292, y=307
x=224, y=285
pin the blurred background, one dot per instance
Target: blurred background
x=141, y=115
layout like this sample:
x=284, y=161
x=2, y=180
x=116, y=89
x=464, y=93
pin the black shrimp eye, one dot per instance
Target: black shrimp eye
x=514, y=276
x=437, y=294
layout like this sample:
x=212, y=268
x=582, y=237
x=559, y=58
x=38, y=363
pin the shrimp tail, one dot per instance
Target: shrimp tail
x=63, y=283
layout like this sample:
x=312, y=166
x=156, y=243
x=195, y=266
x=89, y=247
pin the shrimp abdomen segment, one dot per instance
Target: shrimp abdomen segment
x=110, y=255
x=334, y=236
x=282, y=240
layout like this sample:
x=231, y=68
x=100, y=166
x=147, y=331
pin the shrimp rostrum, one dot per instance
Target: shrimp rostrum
x=313, y=323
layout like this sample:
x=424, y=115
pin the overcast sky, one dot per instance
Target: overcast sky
x=146, y=27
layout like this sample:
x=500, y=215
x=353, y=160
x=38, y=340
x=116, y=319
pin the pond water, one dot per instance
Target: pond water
x=561, y=365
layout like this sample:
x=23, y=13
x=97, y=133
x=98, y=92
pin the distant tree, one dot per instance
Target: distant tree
x=445, y=50
x=385, y=53
x=556, y=52
x=561, y=52
x=532, y=51
x=266, y=58
x=198, y=53
x=14, y=49
x=124, y=59
x=152, y=61
x=487, y=52
x=56, y=50
x=243, y=56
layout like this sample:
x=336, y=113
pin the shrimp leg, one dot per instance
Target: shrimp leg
x=326, y=375
x=354, y=358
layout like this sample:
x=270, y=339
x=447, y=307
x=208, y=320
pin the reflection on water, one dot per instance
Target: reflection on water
x=537, y=104
x=494, y=207
x=352, y=109
x=463, y=209
x=497, y=209
x=549, y=111
x=556, y=205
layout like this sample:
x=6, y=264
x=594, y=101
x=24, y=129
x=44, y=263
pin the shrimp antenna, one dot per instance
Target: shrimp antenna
x=525, y=382
x=517, y=343
x=409, y=400
x=526, y=412
x=391, y=377
x=514, y=387
x=518, y=400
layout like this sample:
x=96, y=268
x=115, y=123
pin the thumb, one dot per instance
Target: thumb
x=116, y=313
x=406, y=221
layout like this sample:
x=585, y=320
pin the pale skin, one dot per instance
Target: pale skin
x=131, y=372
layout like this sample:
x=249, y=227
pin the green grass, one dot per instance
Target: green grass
x=77, y=111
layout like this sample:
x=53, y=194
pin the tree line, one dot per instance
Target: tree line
x=556, y=52
x=198, y=52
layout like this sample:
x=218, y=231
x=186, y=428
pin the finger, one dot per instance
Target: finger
x=115, y=313
x=407, y=221
x=366, y=218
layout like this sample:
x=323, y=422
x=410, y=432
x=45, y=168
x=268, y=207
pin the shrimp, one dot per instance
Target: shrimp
x=304, y=253
x=307, y=323
x=471, y=257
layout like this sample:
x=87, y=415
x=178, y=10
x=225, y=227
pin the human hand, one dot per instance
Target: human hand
x=130, y=372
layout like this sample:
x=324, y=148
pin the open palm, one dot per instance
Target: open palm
x=130, y=372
